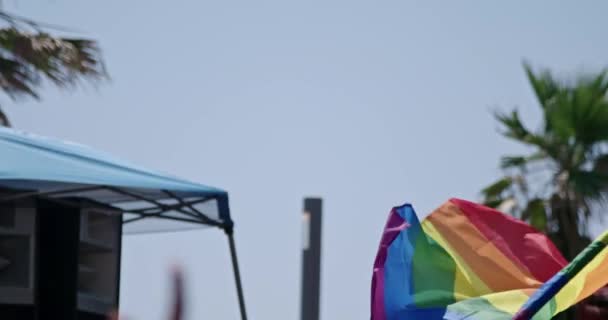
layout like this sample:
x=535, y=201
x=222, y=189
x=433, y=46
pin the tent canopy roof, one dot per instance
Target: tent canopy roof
x=40, y=166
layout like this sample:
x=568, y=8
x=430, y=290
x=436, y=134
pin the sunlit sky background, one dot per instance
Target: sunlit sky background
x=367, y=104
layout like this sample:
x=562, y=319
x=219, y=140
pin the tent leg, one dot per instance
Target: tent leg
x=237, y=274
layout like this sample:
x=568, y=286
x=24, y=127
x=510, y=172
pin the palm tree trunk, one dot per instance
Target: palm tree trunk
x=565, y=211
x=564, y=208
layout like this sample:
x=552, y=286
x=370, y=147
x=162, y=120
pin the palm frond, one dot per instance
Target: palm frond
x=63, y=61
x=508, y=205
x=544, y=85
x=600, y=164
x=495, y=189
x=588, y=184
x=4, y=119
x=578, y=113
x=16, y=79
x=508, y=162
x=513, y=126
x=536, y=213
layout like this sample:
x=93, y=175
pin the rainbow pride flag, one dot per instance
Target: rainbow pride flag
x=467, y=261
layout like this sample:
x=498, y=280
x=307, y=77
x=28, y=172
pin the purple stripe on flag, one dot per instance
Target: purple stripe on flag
x=394, y=226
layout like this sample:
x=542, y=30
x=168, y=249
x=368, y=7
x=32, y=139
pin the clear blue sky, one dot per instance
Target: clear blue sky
x=367, y=104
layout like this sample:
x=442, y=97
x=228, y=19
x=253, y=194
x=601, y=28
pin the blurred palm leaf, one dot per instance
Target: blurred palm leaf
x=543, y=84
x=496, y=189
x=536, y=214
x=507, y=162
x=588, y=184
x=508, y=205
x=29, y=56
x=514, y=129
x=581, y=113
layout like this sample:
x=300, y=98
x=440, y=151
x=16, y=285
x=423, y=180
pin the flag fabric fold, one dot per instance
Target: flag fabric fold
x=467, y=261
x=586, y=274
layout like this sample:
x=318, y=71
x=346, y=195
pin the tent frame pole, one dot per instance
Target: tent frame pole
x=235, y=267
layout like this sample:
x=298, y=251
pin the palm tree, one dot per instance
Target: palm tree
x=564, y=177
x=561, y=183
x=29, y=55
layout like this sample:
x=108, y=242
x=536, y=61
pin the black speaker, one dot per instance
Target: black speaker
x=98, y=259
x=58, y=260
x=17, y=259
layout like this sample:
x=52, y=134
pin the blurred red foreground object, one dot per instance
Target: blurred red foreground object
x=177, y=311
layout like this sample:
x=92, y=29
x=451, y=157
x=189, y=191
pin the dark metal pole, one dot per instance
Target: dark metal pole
x=311, y=259
x=237, y=274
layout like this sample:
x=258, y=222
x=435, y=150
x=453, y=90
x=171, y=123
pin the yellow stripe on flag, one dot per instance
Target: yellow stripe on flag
x=466, y=283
